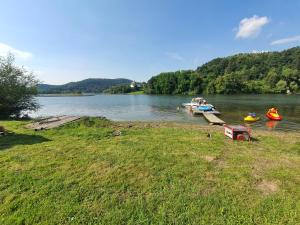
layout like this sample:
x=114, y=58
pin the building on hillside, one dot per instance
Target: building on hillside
x=135, y=84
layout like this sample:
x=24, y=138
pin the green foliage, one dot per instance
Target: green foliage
x=125, y=89
x=17, y=89
x=272, y=77
x=281, y=86
x=228, y=84
x=179, y=82
x=195, y=84
x=256, y=86
x=294, y=87
x=119, y=89
x=242, y=73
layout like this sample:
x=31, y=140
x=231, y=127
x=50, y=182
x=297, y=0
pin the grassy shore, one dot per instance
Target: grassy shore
x=100, y=172
x=137, y=93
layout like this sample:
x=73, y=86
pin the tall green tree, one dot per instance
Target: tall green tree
x=281, y=86
x=289, y=74
x=294, y=87
x=17, y=89
x=272, y=77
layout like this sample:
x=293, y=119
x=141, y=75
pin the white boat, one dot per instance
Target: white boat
x=196, y=102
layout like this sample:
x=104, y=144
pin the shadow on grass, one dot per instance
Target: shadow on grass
x=253, y=139
x=11, y=140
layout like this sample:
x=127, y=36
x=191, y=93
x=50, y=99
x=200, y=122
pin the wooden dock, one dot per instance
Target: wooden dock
x=52, y=122
x=213, y=119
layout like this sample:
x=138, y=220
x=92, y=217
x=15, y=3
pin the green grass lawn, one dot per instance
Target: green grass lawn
x=137, y=93
x=151, y=174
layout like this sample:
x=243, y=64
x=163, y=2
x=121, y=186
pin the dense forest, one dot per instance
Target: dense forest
x=268, y=72
x=86, y=86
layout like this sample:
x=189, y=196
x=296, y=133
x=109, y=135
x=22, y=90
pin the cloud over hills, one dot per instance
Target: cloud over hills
x=286, y=40
x=251, y=27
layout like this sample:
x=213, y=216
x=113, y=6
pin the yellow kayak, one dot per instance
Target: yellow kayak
x=251, y=118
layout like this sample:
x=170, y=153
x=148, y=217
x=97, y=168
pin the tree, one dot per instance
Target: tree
x=255, y=86
x=210, y=88
x=294, y=87
x=281, y=86
x=228, y=84
x=196, y=84
x=17, y=89
x=272, y=77
x=289, y=74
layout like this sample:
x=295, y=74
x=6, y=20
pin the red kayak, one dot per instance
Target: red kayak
x=272, y=114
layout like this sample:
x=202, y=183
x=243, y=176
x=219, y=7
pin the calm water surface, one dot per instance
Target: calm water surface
x=164, y=108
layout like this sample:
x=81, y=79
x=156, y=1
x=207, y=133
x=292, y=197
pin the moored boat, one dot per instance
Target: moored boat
x=206, y=107
x=194, y=103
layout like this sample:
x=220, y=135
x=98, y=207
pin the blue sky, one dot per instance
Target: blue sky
x=69, y=40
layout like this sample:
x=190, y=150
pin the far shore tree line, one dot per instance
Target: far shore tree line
x=125, y=88
x=269, y=72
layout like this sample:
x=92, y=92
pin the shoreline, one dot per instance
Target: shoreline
x=163, y=124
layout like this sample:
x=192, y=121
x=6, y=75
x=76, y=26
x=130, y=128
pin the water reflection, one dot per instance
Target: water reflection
x=271, y=124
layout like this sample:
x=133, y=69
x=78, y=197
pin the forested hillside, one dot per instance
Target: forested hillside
x=269, y=72
x=87, y=86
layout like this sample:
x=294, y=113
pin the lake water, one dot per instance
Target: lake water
x=164, y=108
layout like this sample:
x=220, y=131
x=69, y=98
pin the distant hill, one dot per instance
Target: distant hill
x=266, y=72
x=95, y=85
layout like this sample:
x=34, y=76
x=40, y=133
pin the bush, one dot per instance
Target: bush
x=17, y=89
x=281, y=86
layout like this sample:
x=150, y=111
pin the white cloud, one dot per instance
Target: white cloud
x=5, y=49
x=175, y=56
x=286, y=40
x=251, y=27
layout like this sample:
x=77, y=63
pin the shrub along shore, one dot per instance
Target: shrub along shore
x=98, y=171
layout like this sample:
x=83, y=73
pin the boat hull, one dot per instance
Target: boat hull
x=205, y=108
x=251, y=119
x=274, y=116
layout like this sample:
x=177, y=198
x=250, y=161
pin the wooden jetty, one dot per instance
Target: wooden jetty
x=213, y=119
x=52, y=122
